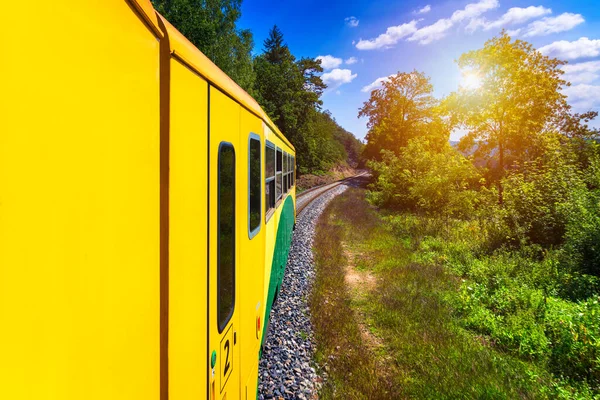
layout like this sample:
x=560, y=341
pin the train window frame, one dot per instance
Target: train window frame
x=289, y=171
x=270, y=208
x=293, y=170
x=252, y=232
x=285, y=171
x=222, y=324
x=278, y=174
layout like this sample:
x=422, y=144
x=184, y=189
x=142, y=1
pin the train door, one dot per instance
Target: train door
x=226, y=178
x=188, y=221
x=252, y=248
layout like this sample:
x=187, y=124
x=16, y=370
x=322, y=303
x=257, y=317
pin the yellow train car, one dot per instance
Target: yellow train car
x=146, y=210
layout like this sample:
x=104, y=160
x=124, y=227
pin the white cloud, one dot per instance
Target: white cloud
x=439, y=29
x=513, y=32
x=582, y=47
x=338, y=92
x=548, y=25
x=432, y=32
x=375, y=84
x=330, y=62
x=392, y=36
x=514, y=16
x=474, y=10
x=338, y=77
x=585, y=72
x=424, y=10
x=351, y=60
x=583, y=97
x=352, y=22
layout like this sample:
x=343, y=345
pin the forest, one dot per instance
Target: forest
x=288, y=89
x=512, y=211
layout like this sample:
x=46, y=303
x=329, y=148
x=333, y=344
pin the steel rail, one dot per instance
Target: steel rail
x=305, y=198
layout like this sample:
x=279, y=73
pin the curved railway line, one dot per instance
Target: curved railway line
x=286, y=369
x=305, y=198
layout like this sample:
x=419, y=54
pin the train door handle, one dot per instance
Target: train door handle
x=234, y=337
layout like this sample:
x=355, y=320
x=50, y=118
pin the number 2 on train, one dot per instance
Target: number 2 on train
x=226, y=356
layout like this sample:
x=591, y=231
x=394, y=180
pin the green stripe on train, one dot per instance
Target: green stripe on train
x=280, y=256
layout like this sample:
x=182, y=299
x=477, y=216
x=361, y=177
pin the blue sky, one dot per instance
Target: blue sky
x=365, y=40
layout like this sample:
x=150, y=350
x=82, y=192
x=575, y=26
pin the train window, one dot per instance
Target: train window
x=289, y=171
x=254, y=183
x=269, y=178
x=293, y=170
x=285, y=171
x=225, y=235
x=279, y=175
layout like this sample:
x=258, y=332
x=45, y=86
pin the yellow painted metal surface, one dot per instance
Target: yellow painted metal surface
x=188, y=187
x=224, y=128
x=251, y=275
x=80, y=206
x=79, y=202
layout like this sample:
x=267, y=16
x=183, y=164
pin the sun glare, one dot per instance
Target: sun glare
x=470, y=80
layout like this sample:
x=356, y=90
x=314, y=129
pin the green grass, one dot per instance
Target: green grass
x=440, y=333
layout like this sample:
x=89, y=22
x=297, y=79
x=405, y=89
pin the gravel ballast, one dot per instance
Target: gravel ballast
x=286, y=369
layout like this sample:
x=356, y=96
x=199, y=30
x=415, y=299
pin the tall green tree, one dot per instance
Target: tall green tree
x=397, y=112
x=289, y=90
x=211, y=26
x=518, y=100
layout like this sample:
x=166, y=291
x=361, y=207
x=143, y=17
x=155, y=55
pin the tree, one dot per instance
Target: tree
x=425, y=178
x=289, y=91
x=211, y=26
x=519, y=99
x=398, y=112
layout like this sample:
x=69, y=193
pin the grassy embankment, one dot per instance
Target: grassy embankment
x=402, y=307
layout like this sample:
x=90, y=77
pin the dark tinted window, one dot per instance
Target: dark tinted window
x=226, y=235
x=279, y=175
x=254, y=166
x=293, y=170
x=285, y=169
x=269, y=177
x=269, y=161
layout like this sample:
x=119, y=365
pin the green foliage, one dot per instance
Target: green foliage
x=518, y=98
x=544, y=196
x=527, y=248
x=426, y=177
x=211, y=26
x=402, y=109
x=413, y=342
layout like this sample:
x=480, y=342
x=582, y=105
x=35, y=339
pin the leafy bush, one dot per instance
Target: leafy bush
x=574, y=331
x=425, y=178
x=541, y=197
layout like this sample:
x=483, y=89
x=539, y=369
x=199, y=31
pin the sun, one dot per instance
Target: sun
x=470, y=80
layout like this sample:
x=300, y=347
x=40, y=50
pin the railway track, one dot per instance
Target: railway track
x=287, y=369
x=306, y=197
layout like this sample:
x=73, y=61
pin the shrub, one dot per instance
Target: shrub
x=426, y=178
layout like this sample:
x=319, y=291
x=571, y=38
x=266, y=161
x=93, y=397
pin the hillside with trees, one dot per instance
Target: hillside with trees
x=513, y=213
x=289, y=89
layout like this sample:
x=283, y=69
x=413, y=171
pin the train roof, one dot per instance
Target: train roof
x=184, y=50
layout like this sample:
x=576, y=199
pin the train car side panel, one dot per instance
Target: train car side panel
x=79, y=202
x=227, y=182
x=252, y=249
x=279, y=232
x=188, y=221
